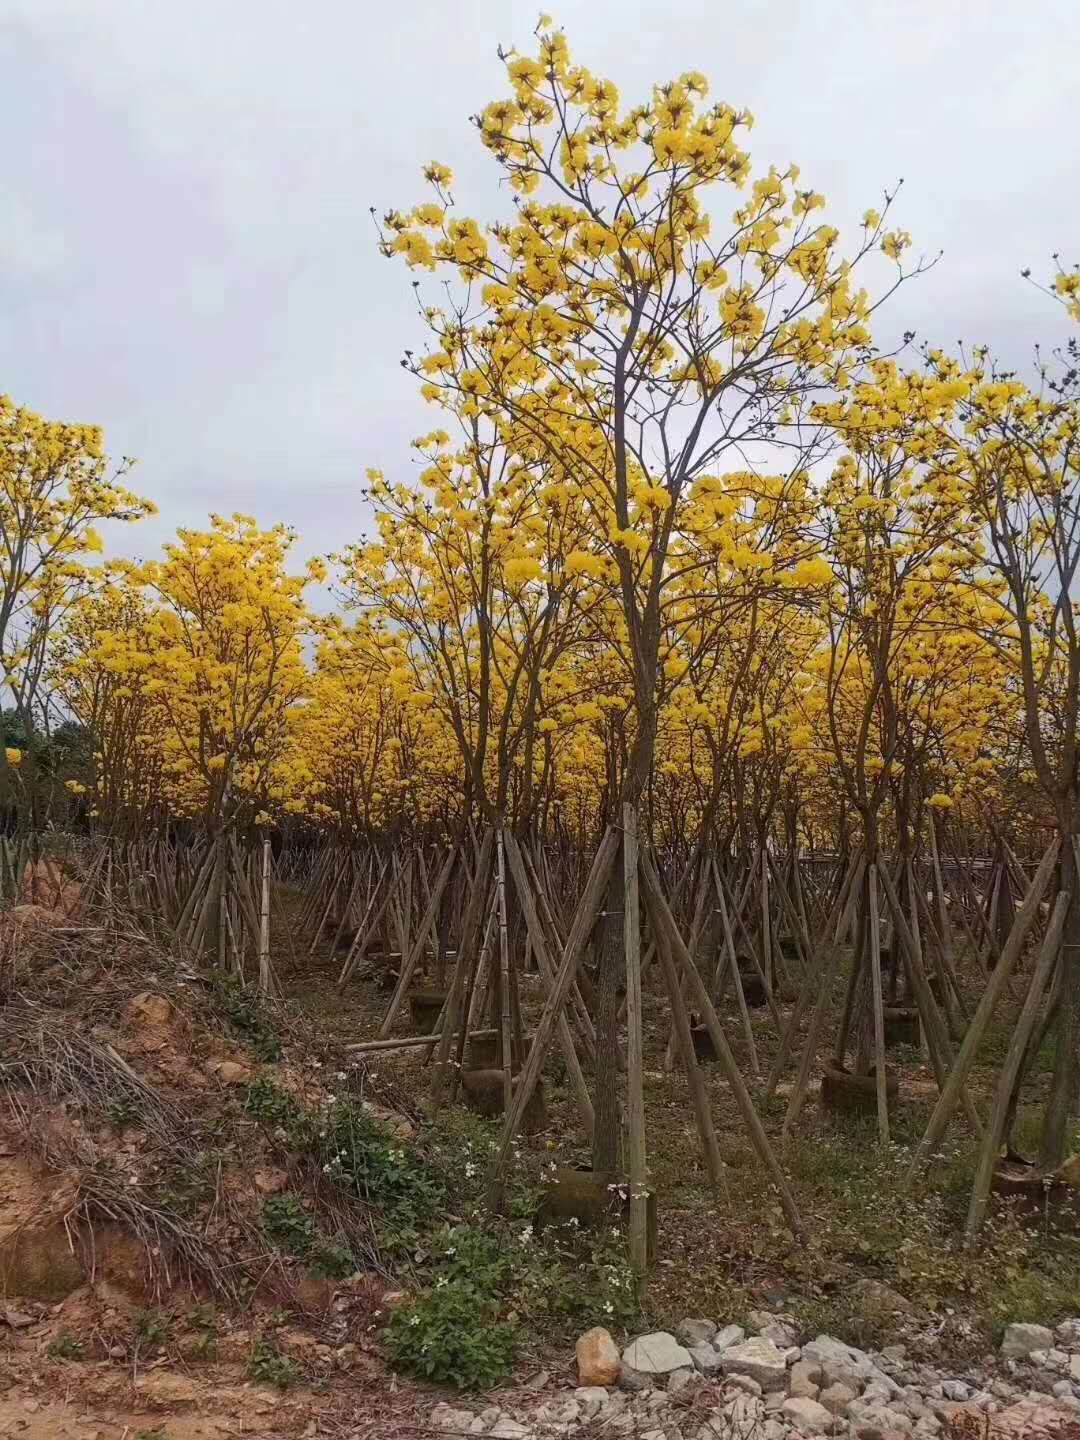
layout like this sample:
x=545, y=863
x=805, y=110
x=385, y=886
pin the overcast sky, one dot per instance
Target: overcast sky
x=188, y=258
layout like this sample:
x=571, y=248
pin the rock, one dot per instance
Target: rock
x=680, y=1379
x=870, y=1422
x=846, y=1364
x=706, y=1358
x=759, y=1358
x=695, y=1332
x=896, y=1354
x=597, y=1358
x=508, y=1429
x=631, y=1379
x=791, y=1354
x=804, y=1381
x=1021, y=1340
x=743, y=1410
x=1068, y=1334
x=871, y=1297
x=166, y=1387
x=836, y=1398
x=657, y=1354
x=955, y=1390
x=807, y=1415
x=229, y=1072
x=1074, y=1369
x=773, y=1400
x=746, y=1383
x=1062, y=1390
x=445, y=1417
x=589, y=1398
x=17, y=1320
x=780, y=1329
x=729, y=1335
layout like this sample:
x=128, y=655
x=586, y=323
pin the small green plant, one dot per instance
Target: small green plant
x=246, y=1013
x=452, y=1335
x=287, y=1224
x=158, y=1433
x=123, y=1110
x=269, y=1367
x=332, y=1259
x=151, y=1329
x=66, y=1347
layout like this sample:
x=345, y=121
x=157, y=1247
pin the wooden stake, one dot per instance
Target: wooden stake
x=264, y=920
x=504, y=973
x=880, y=1078
x=635, y=1062
x=950, y=1095
x=663, y=918
x=584, y=919
x=995, y=1130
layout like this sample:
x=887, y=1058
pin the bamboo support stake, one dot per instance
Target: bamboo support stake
x=736, y=977
x=880, y=1078
x=504, y=973
x=264, y=920
x=663, y=918
x=950, y=1095
x=584, y=919
x=409, y=961
x=1010, y=1071
x=699, y=1095
x=635, y=1060
x=516, y=859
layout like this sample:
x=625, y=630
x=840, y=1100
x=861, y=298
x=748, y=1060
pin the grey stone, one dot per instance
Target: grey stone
x=509, y=1429
x=804, y=1381
x=746, y=1383
x=845, y=1363
x=868, y=1419
x=657, y=1354
x=728, y=1335
x=586, y=1394
x=897, y=1354
x=791, y=1354
x=706, y=1358
x=1003, y=1390
x=631, y=1379
x=1021, y=1340
x=445, y=1417
x=759, y=1358
x=1074, y=1369
x=1058, y=1358
x=808, y=1415
x=1068, y=1334
x=680, y=1379
x=773, y=1401
x=836, y=1398
x=743, y=1410
x=1063, y=1390
x=695, y=1332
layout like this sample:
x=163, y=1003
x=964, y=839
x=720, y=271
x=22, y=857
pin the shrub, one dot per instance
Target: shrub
x=246, y=1014
x=452, y=1335
x=269, y=1367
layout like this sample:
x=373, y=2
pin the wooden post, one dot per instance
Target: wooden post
x=527, y=901
x=699, y=1095
x=880, y=1079
x=635, y=1063
x=264, y=920
x=409, y=961
x=504, y=974
x=1010, y=1071
x=584, y=919
x=663, y=918
x=950, y=1095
